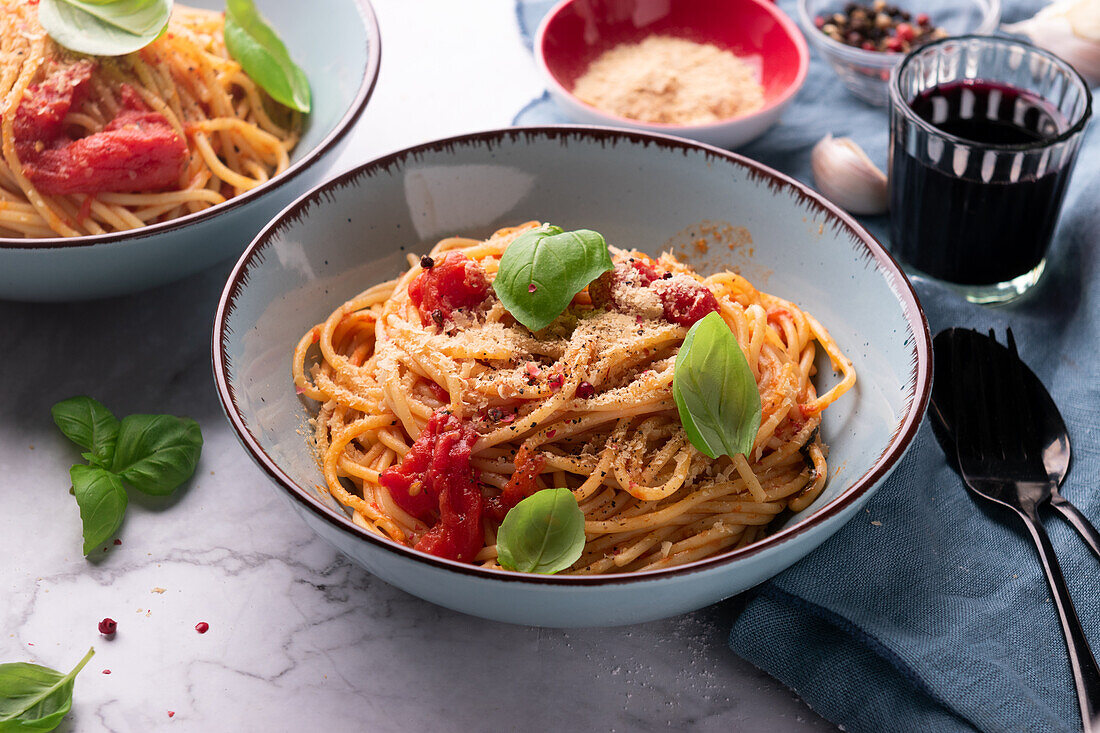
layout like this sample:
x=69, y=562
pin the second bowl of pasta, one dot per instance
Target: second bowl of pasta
x=131, y=161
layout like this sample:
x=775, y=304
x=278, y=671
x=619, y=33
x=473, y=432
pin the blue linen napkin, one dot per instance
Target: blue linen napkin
x=927, y=612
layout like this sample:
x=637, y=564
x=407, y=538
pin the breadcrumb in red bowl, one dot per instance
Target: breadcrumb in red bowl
x=576, y=33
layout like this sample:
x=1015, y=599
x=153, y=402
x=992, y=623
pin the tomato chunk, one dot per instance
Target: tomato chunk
x=686, y=302
x=521, y=484
x=39, y=121
x=435, y=476
x=452, y=283
x=138, y=150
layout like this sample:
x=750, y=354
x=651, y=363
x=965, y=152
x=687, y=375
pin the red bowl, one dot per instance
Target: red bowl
x=575, y=32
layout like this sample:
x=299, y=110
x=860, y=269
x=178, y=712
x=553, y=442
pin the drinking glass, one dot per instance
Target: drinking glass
x=977, y=209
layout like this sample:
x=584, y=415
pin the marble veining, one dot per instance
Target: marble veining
x=300, y=639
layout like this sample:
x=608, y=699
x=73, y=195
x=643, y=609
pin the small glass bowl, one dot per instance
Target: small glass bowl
x=867, y=73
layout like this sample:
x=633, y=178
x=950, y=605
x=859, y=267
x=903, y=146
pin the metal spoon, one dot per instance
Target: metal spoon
x=1056, y=454
x=994, y=417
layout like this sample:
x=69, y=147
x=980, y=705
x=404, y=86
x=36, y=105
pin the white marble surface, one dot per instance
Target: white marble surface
x=300, y=639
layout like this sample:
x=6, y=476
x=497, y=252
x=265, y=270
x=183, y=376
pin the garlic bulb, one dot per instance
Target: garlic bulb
x=844, y=173
x=1071, y=29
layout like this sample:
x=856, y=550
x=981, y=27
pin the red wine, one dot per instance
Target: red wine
x=977, y=216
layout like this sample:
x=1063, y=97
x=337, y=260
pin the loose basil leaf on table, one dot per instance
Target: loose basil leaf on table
x=715, y=390
x=35, y=698
x=157, y=453
x=102, y=501
x=90, y=425
x=112, y=28
x=263, y=56
x=543, y=269
x=544, y=533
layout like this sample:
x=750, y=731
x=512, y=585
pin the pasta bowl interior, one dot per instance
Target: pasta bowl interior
x=59, y=244
x=714, y=210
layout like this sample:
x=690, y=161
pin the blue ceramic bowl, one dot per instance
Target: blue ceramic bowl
x=338, y=46
x=643, y=190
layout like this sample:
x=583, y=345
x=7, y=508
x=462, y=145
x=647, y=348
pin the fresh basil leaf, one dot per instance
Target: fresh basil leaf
x=90, y=425
x=715, y=390
x=262, y=55
x=157, y=453
x=102, y=501
x=104, y=29
x=544, y=533
x=35, y=698
x=543, y=269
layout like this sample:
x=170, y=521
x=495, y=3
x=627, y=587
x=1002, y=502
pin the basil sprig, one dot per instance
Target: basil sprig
x=544, y=533
x=715, y=390
x=34, y=699
x=152, y=453
x=104, y=27
x=262, y=55
x=543, y=269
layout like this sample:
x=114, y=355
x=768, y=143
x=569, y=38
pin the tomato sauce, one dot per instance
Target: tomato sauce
x=435, y=481
x=138, y=150
x=685, y=304
x=453, y=283
x=521, y=484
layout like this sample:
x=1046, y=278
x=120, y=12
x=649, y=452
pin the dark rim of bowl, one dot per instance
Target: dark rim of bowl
x=900, y=105
x=874, y=252
x=672, y=128
x=354, y=110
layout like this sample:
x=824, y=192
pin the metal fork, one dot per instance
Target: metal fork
x=1000, y=458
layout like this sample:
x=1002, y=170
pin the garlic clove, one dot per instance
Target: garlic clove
x=844, y=173
x=1071, y=29
x=1085, y=19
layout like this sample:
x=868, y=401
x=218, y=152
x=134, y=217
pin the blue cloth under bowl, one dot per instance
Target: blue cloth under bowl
x=929, y=613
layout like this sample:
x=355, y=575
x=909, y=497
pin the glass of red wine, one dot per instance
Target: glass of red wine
x=984, y=132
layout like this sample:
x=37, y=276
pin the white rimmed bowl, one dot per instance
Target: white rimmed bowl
x=338, y=46
x=640, y=190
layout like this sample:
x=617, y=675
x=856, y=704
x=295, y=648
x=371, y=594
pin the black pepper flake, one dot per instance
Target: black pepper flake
x=666, y=276
x=437, y=316
x=427, y=262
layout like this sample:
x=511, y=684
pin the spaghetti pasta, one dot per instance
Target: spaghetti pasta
x=193, y=129
x=584, y=404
